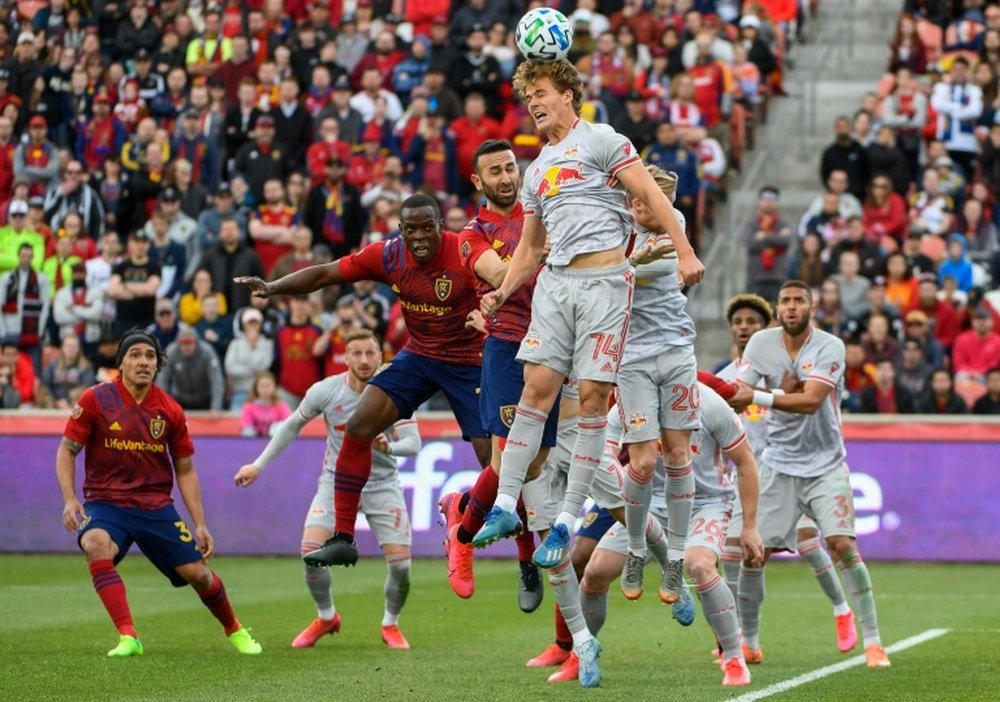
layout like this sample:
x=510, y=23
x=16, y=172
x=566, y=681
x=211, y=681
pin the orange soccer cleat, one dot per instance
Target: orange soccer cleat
x=315, y=631
x=847, y=632
x=552, y=656
x=460, y=574
x=736, y=673
x=568, y=671
x=753, y=656
x=876, y=657
x=448, y=506
x=394, y=638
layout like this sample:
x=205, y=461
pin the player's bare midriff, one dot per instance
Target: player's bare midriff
x=599, y=259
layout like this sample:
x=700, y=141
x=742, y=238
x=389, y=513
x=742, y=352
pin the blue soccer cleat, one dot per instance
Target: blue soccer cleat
x=554, y=549
x=683, y=608
x=499, y=524
x=590, y=674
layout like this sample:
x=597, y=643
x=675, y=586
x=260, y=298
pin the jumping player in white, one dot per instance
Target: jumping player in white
x=574, y=191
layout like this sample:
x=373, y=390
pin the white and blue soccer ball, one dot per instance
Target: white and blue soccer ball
x=543, y=35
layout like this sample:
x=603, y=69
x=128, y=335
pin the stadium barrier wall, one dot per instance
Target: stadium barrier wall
x=923, y=491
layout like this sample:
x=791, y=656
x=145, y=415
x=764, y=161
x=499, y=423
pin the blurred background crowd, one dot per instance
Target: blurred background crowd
x=151, y=151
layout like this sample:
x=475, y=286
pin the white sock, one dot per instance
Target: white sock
x=841, y=609
x=505, y=502
x=390, y=619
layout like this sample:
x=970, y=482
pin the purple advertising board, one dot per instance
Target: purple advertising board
x=915, y=500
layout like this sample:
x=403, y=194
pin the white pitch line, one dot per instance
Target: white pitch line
x=821, y=673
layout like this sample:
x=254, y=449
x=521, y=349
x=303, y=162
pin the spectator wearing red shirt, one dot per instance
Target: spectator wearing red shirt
x=947, y=322
x=887, y=396
x=271, y=226
x=382, y=57
x=8, y=145
x=433, y=160
x=884, y=212
x=24, y=380
x=333, y=344
x=239, y=66
x=295, y=343
x=422, y=15
x=470, y=131
x=978, y=349
x=634, y=15
x=329, y=145
x=37, y=160
x=711, y=95
x=366, y=167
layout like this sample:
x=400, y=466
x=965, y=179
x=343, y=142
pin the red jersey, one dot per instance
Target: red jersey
x=491, y=230
x=435, y=296
x=126, y=445
x=270, y=251
x=298, y=369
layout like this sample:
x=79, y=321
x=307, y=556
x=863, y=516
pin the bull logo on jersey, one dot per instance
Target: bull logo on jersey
x=555, y=177
x=157, y=427
x=755, y=413
x=531, y=342
x=442, y=288
x=807, y=366
x=571, y=151
x=507, y=414
x=637, y=421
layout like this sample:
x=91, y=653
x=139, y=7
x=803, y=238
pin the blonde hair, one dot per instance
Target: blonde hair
x=562, y=73
x=666, y=181
x=261, y=375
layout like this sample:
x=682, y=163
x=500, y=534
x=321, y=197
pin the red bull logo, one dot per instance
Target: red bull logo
x=554, y=178
x=636, y=422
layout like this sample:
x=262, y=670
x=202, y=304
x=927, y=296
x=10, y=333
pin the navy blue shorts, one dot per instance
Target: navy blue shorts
x=595, y=522
x=410, y=380
x=501, y=388
x=160, y=534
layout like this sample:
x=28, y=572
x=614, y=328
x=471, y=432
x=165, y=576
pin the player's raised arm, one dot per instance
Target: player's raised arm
x=286, y=433
x=301, y=282
x=640, y=183
x=522, y=264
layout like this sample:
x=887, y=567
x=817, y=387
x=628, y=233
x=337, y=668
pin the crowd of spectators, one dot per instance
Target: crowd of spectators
x=151, y=151
x=901, y=247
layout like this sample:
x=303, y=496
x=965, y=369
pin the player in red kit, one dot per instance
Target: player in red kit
x=425, y=270
x=135, y=440
x=488, y=243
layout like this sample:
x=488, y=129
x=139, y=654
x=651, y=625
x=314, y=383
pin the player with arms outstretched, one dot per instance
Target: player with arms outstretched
x=135, y=441
x=424, y=268
x=804, y=462
x=382, y=503
x=747, y=314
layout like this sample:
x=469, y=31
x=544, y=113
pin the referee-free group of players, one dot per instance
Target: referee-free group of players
x=562, y=298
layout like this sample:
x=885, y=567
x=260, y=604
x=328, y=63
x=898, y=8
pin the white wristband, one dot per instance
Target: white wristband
x=777, y=392
x=764, y=399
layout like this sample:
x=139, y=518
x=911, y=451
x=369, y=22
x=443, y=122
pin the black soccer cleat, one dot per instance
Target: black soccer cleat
x=339, y=549
x=530, y=592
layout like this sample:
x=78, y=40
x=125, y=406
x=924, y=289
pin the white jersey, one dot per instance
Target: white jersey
x=334, y=399
x=659, y=319
x=573, y=187
x=719, y=431
x=754, y=417
x=800, y=445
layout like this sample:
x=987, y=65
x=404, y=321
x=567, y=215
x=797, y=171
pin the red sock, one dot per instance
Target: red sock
x=354, y=465
x=564, y=637
x=111, y=590
x=525, y=540
x=218, y=604
x=481, y=498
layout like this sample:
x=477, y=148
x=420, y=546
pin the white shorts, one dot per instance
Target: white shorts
x=827, y=499
x=709, y=526
x=653, y=394
x=382, y=504
x=546, y=498
x=615, y=539
x=579, y=321
x=736, y=521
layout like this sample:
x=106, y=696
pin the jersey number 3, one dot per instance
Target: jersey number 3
x=185, y=534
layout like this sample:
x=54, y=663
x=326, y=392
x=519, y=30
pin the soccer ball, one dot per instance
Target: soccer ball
x=543, y=35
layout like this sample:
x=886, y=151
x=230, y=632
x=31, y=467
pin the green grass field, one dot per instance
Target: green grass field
x=54, y=633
